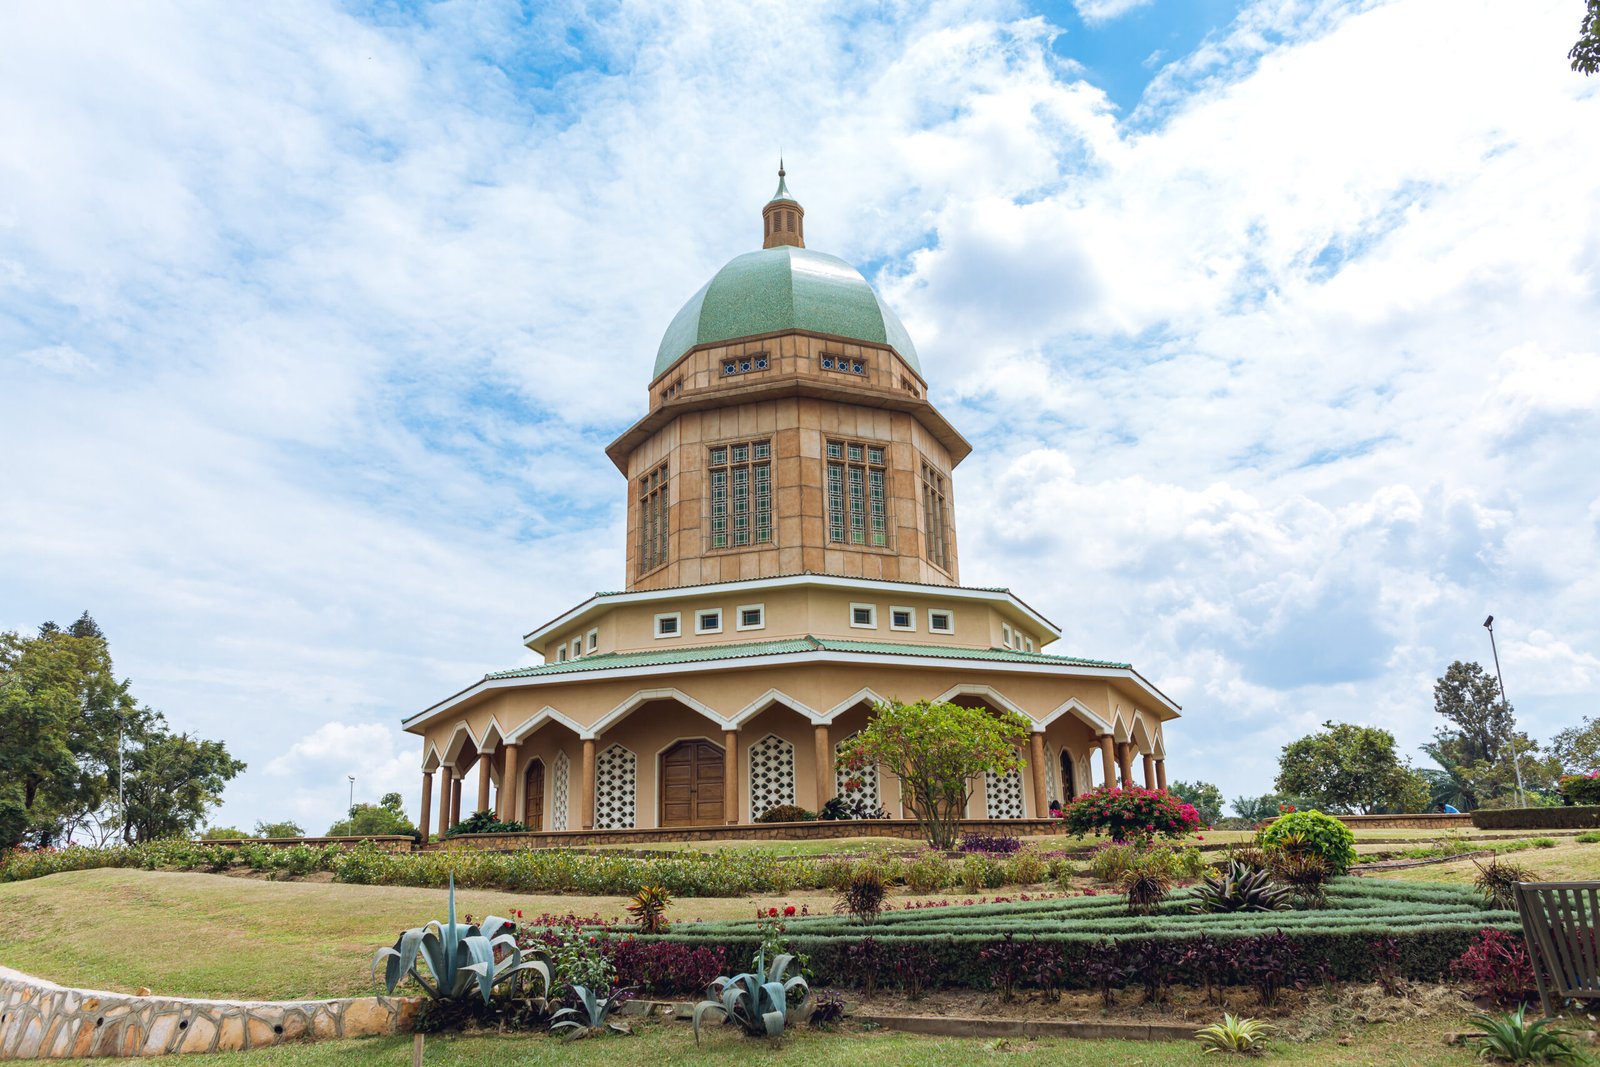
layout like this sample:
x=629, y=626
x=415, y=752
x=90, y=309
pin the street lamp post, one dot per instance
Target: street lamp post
x=1516, y=761
x=352, y=790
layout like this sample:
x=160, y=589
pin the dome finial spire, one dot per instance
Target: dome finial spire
x=783, y=219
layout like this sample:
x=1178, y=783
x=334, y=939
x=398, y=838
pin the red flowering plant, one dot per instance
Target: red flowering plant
x=1136, y=815
x=1498, y=965
x=1580, y=788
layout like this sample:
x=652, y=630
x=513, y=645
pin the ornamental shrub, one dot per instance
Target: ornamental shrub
x=1314, y=833
x=1497, y=965
x=787, y=813
x=1580, y=788
x=1130, y=814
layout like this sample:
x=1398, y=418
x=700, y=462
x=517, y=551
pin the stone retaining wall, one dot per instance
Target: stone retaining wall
x=768, y=831
x=41, y=1020
x=1424, y=821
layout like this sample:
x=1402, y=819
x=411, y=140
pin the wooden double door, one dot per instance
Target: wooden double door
x=691, y=784
x=533, y=795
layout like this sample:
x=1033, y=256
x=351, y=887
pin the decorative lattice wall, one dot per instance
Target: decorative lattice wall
x=867, y=795
x=1003, y=795
x=615, y=777
x=1052, y=792
x=560, y=775
x=771, y=774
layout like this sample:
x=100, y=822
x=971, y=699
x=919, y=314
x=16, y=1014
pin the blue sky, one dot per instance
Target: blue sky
x=1274, y=324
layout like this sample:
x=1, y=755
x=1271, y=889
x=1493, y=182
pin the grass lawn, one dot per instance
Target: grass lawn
x=206, y=935
x=1568, y=861
x=1411, y=1044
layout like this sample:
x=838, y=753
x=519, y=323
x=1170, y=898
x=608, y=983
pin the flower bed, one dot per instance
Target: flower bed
x=1356, y=936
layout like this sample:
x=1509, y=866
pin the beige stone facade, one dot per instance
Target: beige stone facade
x=791, y=561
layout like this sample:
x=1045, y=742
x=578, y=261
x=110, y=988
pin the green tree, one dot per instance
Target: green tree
x=279, y=829
x=1349, y=768
x=1260, y=809
x=936, y=750
x=223, y=833
x=1585, y=55
x=60, y=710
x=1577, y=748
x=172, y=781
x=1477, y=736
x=1206, y=798
x=369, y=820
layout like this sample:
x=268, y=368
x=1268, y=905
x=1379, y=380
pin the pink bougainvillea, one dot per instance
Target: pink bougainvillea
x=1130, y=814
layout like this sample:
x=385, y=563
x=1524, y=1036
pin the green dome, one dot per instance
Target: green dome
x=784, y=288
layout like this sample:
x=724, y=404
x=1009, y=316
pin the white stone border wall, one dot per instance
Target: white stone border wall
x=41, y=1020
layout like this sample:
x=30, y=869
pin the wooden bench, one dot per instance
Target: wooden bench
x=1561, y=921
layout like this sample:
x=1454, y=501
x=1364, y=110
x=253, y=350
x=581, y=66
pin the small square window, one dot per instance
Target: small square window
x=827, y=362
x=760, y=450
x=856, y=367
x=902, y=619
x=854, y=453
x=941, y=622
x=744, y=366
x=741, y=453
x=752, y=616
x=577, y=647
x=719, y=456
x=864, y=616
x=1030, y=644
x=1005, y=634
x=594, y=640
x=761, y=363
x=729, y=367
x=875, y=456
x=668, y=624
x=835, y=450
x=561, y=654
x=708, y=622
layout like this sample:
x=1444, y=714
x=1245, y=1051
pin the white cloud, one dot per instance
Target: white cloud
x=1094, y=11
x=313, y=333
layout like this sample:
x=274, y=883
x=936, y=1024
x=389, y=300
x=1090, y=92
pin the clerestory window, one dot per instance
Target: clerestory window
x=653, y=520
x=857, y=509
x=741, y=494
x=936, y=516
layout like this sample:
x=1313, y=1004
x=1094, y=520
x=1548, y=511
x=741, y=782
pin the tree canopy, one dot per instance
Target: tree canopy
x=1585, y=55
x=1479, y=748
x=63, y=717
x=1206, y=798
x=365, y=820
x=1349, y=768
x=936, y=750
x=1577, y=748
x=286, y=828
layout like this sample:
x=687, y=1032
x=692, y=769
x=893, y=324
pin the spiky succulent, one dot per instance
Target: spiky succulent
x=1238, y=888
x=459, y=957
x=1514, y=1039
x=1233, y=1034
x=757, y=1001
x=592, y=1016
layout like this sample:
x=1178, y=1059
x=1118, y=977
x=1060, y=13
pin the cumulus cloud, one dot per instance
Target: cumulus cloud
x=311, y=328
x=1093, y=11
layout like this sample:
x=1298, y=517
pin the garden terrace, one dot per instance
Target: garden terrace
x=1431, y=925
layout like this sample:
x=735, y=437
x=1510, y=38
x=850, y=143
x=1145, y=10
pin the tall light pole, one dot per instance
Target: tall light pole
x=1516, y=761
x=352, y=789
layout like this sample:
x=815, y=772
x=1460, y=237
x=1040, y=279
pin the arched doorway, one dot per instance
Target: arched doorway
x=1069, y=786
x=691, y=784
x=533, y=795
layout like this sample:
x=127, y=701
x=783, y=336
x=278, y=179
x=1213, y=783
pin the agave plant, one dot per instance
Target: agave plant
x=1240, y=889
x=1514, y=1039
x=458, y=957
x=592, y=1015
x=1233, y=1034
x=758, y=1001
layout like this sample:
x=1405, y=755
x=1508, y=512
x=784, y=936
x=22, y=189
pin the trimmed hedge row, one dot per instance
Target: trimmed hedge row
x=1429, y=926
x=1578, y=817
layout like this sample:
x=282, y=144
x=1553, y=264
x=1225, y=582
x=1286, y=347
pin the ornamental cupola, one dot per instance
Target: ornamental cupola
x=783, y=220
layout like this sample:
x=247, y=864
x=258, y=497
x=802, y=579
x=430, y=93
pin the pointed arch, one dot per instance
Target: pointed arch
x=767, y=700
x=645, y=696
x=430, y=758
x=460, y=738
x=1080, y=711
x=1141, y=736
x=859, y=697
x=988, y=692
x=533, y=722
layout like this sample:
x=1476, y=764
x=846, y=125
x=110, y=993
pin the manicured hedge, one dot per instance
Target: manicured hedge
x=1429, y=925
x=1580, y=817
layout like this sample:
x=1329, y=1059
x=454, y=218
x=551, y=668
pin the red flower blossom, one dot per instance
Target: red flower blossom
x=788, y=909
